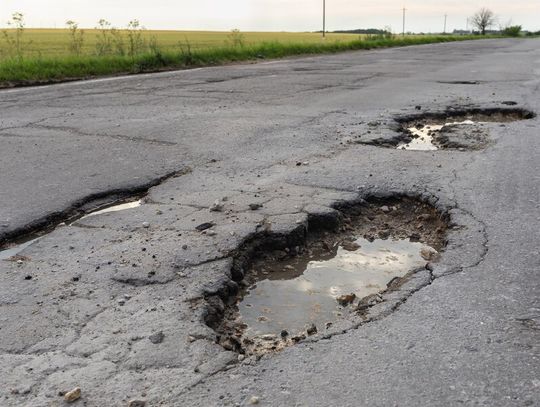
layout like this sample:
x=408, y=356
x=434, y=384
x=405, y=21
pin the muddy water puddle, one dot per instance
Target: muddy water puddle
x=423, y=137
x=290, y=293
x=455, y=129
x=325, y=284
x=13, y=251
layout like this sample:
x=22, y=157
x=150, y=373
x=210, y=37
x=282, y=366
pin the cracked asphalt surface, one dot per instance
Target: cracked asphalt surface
x=114, y=304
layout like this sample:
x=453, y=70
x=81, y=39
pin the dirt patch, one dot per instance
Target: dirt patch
x=290, y=287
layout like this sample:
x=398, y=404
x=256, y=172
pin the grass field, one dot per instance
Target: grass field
x=55, y=42
x=44, y=55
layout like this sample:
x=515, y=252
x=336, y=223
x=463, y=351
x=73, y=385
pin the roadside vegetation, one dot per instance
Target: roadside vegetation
x=34, y=56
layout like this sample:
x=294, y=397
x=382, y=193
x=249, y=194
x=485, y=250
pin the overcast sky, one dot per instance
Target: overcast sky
x=270, y=15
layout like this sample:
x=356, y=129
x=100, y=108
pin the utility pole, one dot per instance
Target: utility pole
x=404, y=10
x=324, y=18
x=445, y=16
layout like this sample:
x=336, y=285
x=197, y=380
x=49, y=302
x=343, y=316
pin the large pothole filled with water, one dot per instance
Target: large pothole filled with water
x=452, y=129
x=290, y=292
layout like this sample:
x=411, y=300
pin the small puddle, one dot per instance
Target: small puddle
x=12, y=251
x=290, y=292
x=325, y=282
x=423, y=137
x=114, y=208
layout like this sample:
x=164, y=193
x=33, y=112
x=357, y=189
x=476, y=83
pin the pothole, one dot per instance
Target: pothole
x=289, y=292
x=15, y=241
x=11, y=251
x=452, y=129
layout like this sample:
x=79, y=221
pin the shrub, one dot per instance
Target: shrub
x=512, y=31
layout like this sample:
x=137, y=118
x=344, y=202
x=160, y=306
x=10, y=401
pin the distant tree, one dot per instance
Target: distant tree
x=483, y=19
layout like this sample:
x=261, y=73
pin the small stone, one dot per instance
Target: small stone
x=284, y=334
x=121, y=302
x=73, y=395
x=157, y=337
x=145, y=225
x=241, y=357
x=385, y=209
x=429, y=254
x=191, y=338
x=159, y=212
x=346, y=299
x=137, y=403
x=268, y=337
x=204, y=226
x=350, y=246
x=211, y=233
x=424, y=217
x=418, y=107
x=216, y=207
x=255, y=206
x=312, y=330
x=254, y=400
x=184, y=246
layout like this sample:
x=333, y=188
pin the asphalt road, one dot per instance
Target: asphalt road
x=85, y=304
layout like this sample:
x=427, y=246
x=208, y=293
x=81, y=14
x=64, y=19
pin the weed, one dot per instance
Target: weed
x=235, y=38
x=14, y=38
x=135, y=40
x=103, y=42
x=76, y=37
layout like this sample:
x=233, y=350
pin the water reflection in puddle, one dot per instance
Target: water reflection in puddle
x=13, y=250
x=423, y=137
x=310, y=294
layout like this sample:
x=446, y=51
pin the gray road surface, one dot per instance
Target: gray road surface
x=83, y=306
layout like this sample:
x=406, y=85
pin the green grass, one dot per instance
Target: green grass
x=61, y=66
